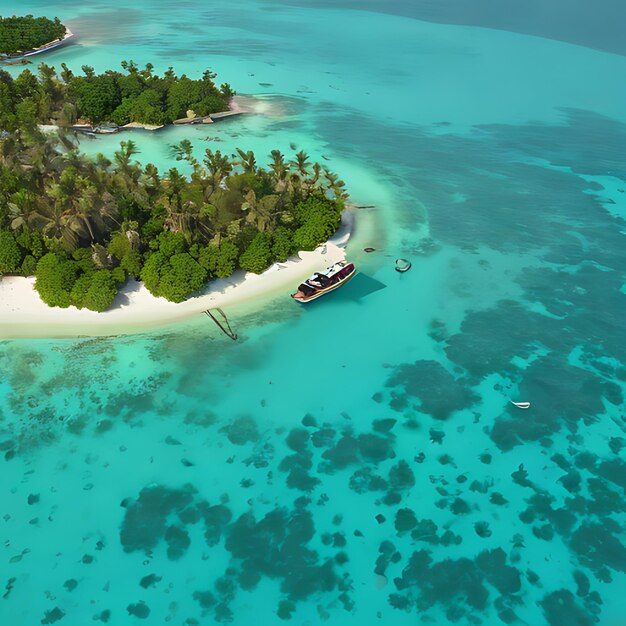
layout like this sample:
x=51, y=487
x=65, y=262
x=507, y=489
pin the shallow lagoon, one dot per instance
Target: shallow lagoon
x=355, y=461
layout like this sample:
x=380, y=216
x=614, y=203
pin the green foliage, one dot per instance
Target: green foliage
x=10, y=253
x=80, y=289
x=219, y=261
x=319, y=209
x=136, y=96
x=32, y=241
x=56, y=276
x=20, y=34
x=132, y=263
x=152, y=227
x=62, y=282
x=8, y=119
x=94, y=290
x=208, y=258
x=146, y=108
x=101, y=291
x=257, y=256
x=226, y=260
x=80, y=216
x=245, y=237
x=173, y=278
x=184, y=276
x=282, y=244
x=119, y=275
x=319, y=218
x=152, y=271
x=26, y=85
x=200, y=96
x=29, y=265
x=95, y=97
x=309, y=236
x=119, y=246
x=170, y=243
x=130, y=259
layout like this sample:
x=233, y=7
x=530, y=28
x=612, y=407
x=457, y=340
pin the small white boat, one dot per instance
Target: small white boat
x=521, y=405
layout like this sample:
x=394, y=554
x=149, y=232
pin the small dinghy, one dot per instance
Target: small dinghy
x=521, y=405
x=403, y=265
x=322, y=283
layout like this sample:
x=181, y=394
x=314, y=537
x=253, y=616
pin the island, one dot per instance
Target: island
x=27, y=35
x=133, y=98
x=84, y=226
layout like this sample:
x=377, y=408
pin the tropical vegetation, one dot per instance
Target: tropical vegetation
x=21, y=34
x=83, y=225
x=134, y=95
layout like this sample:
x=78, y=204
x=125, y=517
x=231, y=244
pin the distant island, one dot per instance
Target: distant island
x=135, y=96
x=19, y=35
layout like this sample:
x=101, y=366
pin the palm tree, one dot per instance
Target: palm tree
x=175, y=185
x=108, y=208
x=294, y=182
x=88, y=212
x=181, y=216
x=128, y=149
x=147, y=73
x=183, y=151
x=97, y=173
x=335, y=185
x=127, y=172
x=260, y=212
x=312, y=182
x=22, y=209
x=247, y=161
x=45, y=162
x=152, y=182
x=301, y=163
x=278, y=167
x=56, y=222
x=219, y=167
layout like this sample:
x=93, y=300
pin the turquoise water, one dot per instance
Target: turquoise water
x=356, y=461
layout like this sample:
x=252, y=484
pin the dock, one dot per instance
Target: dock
x=224, y=114
x=207, y=119
x=200, y=119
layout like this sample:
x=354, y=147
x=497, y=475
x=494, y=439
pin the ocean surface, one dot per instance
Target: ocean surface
x=356, y=461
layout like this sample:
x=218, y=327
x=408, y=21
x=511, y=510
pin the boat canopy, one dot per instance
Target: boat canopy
x=329, y=271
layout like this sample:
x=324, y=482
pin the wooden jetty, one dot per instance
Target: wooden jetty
x=224, y=114
x=207, y=119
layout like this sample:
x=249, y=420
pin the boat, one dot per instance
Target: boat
x=321, y=283
x=521, y=405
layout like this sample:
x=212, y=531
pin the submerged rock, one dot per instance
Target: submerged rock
x=50, y=617
x=140, y=610
x=242, y=430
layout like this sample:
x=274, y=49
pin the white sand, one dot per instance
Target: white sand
x=23, y=314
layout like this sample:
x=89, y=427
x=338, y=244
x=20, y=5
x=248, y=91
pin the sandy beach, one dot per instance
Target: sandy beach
x=23, y=314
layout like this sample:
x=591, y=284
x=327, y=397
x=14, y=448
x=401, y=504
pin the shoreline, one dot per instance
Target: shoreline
x=235, y=109
x=22, y=57
x=24, y=315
